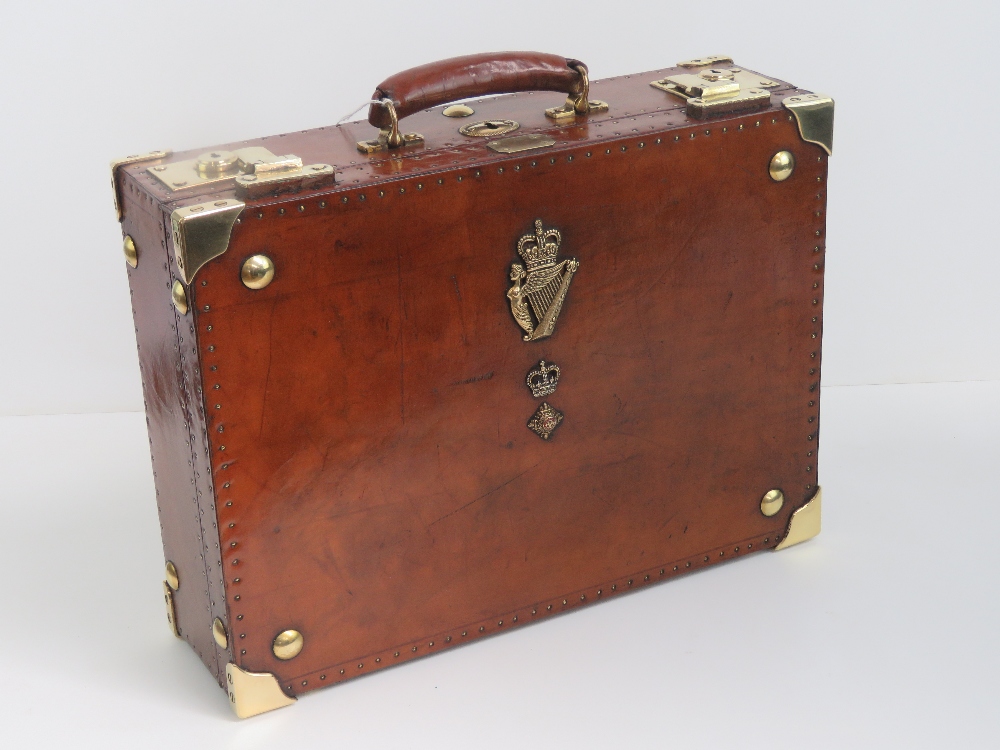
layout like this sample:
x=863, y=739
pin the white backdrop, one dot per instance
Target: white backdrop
x=879, y=633
x=912, y=261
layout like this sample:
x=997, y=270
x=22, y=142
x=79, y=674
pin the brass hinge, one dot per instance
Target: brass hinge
x=254, y=170
x=718, y=90
x=701, y=62
x=133, y=159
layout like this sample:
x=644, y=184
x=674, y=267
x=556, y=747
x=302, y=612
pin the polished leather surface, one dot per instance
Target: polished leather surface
x=377, y=487
x=472, y=75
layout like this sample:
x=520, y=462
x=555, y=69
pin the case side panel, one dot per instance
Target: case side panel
x=198, y=391
x=161, y=332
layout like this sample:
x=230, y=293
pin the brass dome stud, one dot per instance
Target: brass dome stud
x=179, y=296
x=131, y=254
x=458, y=110
x=771, y=502
x=173, y=580
x=219, y=633
x=257, y=272
x=287, y=644
x=782, y=165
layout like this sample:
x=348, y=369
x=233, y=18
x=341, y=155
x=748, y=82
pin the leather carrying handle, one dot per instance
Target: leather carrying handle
x=475, y=75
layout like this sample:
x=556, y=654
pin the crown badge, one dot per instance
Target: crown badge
x=543, y=381
x=541, y=289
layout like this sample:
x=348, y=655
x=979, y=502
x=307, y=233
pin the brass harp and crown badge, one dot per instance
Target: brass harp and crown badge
x=542, y=288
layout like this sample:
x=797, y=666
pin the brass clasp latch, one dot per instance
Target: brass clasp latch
x=717, y=90
x=255, y=171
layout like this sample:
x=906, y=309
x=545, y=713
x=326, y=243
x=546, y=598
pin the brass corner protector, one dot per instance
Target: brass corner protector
x=814, y=115
x=202, y=232
x=252, y=693
x=805, y=522
x=133, y=159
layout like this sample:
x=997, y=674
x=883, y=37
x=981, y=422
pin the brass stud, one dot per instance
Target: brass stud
x=219, y=633
x=458, y=110
x=131, y=256
x=257, y=272
x=179, y=296
x=782, y=165
x=771, y=502
x=173, y=580
x=287, y=644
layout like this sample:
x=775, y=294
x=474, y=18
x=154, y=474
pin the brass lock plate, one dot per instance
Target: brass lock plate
x=487, y=128
x=718, y=90
x=247, y=167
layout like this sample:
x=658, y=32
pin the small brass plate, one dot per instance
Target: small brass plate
x=458, y=110
x=518, y=143
x=488, y=128
x=287, y=644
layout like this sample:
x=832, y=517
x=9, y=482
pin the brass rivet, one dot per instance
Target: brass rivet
x=257, y=272
x=287, y=644
x=458, y=110
x=179, y=296
x=219, y=633
x=782, y=165
x=771, y=502
x=173, y=580
x=131, y=257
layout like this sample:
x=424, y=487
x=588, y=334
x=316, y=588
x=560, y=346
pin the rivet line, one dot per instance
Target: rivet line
x=424, y=646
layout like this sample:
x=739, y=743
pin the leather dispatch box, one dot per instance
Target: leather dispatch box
x=465, y=366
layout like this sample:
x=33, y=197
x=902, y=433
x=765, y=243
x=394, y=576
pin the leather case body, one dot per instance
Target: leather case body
x=346, y=451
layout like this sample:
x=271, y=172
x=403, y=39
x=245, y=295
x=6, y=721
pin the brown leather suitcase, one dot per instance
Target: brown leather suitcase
x=463, y=367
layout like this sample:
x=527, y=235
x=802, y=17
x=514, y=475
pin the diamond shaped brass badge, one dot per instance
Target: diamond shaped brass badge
x=545, y=420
